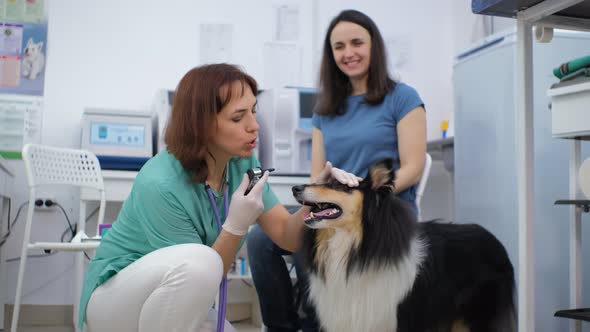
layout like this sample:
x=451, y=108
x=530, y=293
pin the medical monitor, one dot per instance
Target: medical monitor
x=120, y=139
x=117, y=134
x=307, y=103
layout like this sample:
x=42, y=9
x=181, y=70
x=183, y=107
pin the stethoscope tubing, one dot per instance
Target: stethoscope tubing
x=223, y=285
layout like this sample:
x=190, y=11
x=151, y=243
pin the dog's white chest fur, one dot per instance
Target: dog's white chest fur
x=365, y=301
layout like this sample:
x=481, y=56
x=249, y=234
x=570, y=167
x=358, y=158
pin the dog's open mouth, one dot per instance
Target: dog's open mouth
x=321, y=211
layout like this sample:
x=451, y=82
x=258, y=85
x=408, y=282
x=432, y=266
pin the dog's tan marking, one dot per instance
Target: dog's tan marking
x=381, y=176
x=351, y=204
x=322, y=237
x=459, y=326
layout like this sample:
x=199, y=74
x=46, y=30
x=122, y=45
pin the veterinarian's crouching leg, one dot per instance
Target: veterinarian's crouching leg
x=170, y=289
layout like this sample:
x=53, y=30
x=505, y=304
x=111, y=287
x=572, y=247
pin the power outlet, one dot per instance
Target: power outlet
x=40, y=204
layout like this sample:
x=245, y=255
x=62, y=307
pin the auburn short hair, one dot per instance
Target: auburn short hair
x=199, y=97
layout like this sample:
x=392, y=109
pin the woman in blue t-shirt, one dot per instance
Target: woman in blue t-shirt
x=362, y=116
x=159, y=267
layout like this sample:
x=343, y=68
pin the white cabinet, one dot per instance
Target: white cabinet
x=570, y=110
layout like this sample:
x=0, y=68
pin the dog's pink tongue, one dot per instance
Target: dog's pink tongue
x=323, y=213
x=319, y=214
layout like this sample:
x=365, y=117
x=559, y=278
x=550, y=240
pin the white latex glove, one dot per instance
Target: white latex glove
x=331, y=172
x=245, y=210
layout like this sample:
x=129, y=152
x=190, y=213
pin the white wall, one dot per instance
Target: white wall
x=116, y=54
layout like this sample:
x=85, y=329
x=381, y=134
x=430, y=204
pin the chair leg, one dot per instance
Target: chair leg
x=19, y=287
x=79, y=275
x=23, y=262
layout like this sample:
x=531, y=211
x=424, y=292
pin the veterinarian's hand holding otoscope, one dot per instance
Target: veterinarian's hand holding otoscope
x=331, y=172
x=244, y=210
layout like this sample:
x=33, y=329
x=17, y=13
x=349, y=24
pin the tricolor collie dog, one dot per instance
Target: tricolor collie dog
x=374, y=268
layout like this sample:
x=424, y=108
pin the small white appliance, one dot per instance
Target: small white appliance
x=284, y=115
x=162, y=108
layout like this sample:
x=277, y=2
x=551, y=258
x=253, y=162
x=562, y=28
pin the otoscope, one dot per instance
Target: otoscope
x=254, y=174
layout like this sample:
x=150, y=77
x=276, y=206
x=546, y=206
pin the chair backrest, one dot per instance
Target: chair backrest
x=47, y=165
x=422, y=182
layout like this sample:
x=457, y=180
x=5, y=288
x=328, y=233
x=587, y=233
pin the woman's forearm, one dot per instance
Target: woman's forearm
x=226, y=246
x=406, y=177
x=292, y=230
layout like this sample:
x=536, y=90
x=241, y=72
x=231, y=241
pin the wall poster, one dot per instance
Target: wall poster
x=23, y=51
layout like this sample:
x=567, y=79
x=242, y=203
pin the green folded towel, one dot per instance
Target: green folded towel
x=583, y=72
x=571, y=66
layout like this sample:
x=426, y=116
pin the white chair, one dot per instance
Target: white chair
x=422, y=182
x=49, y=166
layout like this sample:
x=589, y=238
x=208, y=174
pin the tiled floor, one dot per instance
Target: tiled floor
x=46, y=329
x=246, y=327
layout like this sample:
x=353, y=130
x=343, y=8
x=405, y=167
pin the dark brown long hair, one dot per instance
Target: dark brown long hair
x=198, y=98
x=335, y=85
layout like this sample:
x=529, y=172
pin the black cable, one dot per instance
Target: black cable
x=9, y=208
x=64, y=212
x=92, y=213
x=247, y=283
x=47, y=203
x=73, y=230
x=5, y=237
x=11, y=224
x=76, y=224
x=63, y=234
x=88, y=218
x=76, y=228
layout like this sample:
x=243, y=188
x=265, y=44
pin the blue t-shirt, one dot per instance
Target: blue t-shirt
x=365, y=133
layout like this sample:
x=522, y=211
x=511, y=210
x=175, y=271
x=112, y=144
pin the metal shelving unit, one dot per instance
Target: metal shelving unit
x=543, y=15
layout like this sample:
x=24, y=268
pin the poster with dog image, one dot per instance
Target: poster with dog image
x=23, y=50
x=23, y=55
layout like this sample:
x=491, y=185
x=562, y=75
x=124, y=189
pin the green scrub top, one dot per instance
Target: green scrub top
x=163, y=209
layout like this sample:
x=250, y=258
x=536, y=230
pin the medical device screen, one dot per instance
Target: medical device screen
x=118, y=134
x=307, y=102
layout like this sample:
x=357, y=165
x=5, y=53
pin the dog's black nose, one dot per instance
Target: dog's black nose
x=297, y=189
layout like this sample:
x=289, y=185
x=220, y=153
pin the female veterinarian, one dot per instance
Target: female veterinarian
x=362, y=116
x=161, y=265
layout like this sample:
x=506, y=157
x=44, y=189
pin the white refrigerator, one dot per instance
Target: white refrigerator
x=485, y=161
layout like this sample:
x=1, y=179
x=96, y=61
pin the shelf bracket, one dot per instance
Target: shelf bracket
x=584, y=204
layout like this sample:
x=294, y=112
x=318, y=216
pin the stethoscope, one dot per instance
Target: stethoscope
x=223, y=285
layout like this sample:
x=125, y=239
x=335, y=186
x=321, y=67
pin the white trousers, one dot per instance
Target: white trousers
x=170, y=289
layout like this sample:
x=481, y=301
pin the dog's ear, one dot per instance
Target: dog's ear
x=381, y=174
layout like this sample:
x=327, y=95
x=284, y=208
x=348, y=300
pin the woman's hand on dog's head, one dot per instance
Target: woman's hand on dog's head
x=331, y=172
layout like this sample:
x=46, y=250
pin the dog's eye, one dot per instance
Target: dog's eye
x=334, y=184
